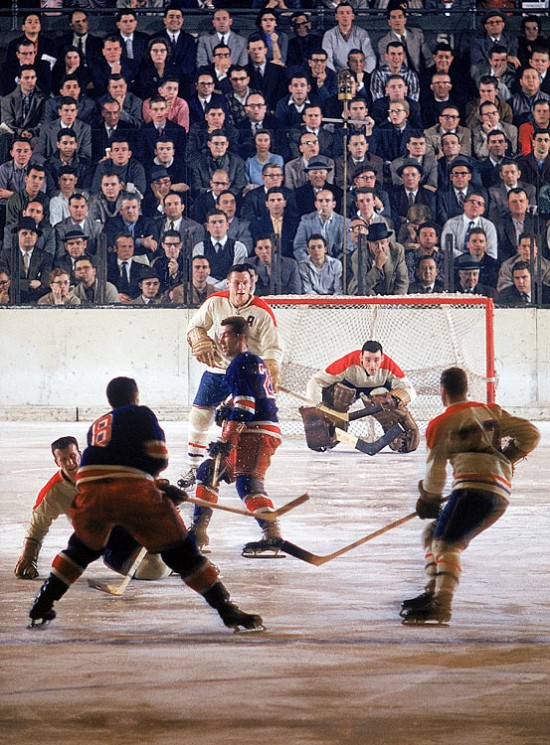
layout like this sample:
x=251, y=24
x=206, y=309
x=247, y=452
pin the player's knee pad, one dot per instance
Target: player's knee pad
x=184, y=558
x=152, y=567
x=199, y=422
x=258, y=502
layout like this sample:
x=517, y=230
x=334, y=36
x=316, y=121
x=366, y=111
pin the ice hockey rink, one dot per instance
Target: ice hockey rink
x=335, y=666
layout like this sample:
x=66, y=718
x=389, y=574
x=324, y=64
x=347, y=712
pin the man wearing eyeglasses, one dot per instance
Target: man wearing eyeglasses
x=448, y=123
x=490, y=122
x=60, y=290
x=301, y=45
x=221, y=63
x=460, y=227
x=218, y=158
x=256, y=118
x=204, y=94
x=254, y=204
x=452, y=195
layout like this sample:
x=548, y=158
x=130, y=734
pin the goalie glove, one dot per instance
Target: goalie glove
x=384, y=398
x=428, y=505
x=204, y=348
x=274, y=373
x=175, y=495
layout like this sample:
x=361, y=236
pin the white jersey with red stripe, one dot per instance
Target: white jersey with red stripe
x=349, y=370
x=263, y=335
x=53, y=500
x=468, y=436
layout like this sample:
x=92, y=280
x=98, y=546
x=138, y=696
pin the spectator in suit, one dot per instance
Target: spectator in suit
x=267, y=77
x=105, y=202
x=529, y=92
x=218, y=158
x=312, y=122
x=320, y=273
x=490, y=122
x=497, y=67
x=222, y=33
x=26, y=55
x=295, y=169
x=130, y=105
x=460, y=227
x=70, y=86
x=110, y=63
x=27, y=265
x=169, y=266
x=134, y=42
x=239, y=80
x=390, y=139
x=75, y=244
x=80, y=38
x=68, y=112
x=215, y=118
x=301, y=45
x=468, y=277
x=540, y=61
x=79, y=218
x=522, y=291
x=149, y=287
x=123, y=271
x=317, y=171
x=510, y=178
x=45, y=48
x=182, y=44
x=385, y=270
x=198, y=288
x=178, y=110
x=488, y=90
x=204, y=95
x=323, y=80
x=526, y=241
x=129, y=220
x=517, y=221
x=159, y=126
x=439, y=98
x=448, y=123
x=418, y=54
x=494, y=32
x=535, y=167
x=395, y=90
x=220, y=250
x=358, y=156
x=173, y=218
x=428, y=279
x=488, y=267
x=422, y=241
x=22, y=110
x=238, y=230
x=257, y=118
x=277, y=222
x=277, y=274
x=451, y=196
x=498, y=148
x=221, y=63
x=324, y=221
x=416, y=150
x=12, y=174
x=88, y=283
x=46, y=239
x=109, y=129
x=410, y=192
x=253, y=206
x=289, y=108
x=205, y=202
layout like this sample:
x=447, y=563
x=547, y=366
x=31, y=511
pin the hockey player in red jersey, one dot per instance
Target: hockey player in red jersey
x=370, y=374
x=116, y=486
x=468, y=435
x=250, y=436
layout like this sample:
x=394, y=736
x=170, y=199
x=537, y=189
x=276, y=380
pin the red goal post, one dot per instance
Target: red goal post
x=423, y=334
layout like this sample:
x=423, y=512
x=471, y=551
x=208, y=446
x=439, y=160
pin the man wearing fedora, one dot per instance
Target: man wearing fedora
x=75, y=242
x=468, y=271
x=27, y=265
x=410, y=192
x=317, y=171
x=381, y=269
x=149, y=285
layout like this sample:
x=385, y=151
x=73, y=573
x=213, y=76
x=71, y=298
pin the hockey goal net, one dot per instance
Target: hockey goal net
x=422, y=334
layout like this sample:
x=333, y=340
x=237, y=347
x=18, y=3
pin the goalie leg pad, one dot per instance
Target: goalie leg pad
x=339, y=396
x=410, y=440
x=319, y=431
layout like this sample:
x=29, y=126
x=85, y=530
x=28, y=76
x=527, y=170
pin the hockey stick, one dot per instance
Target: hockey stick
x=268, y=516
x=121, y=588
x=301, y=553
x=344, y=416
x=364, y=446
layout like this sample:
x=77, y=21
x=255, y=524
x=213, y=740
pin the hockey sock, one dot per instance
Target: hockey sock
x=430, y=566
x=448, y=572
x=69, y=564
x=184, y=558
x=199, y=423
x=217, y=596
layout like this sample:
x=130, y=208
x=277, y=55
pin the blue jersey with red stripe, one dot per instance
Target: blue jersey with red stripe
x=128, y=441
x=252, y=395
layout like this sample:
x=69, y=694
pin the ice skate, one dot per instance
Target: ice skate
x=42, y=612
x=269, y=546
x=418, y=602
x=432, y=613
x=233, y=617
x=189, y=479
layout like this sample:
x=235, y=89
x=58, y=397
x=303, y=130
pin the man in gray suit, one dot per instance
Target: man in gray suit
x=221, y=34
x=510, y=176
x=418, y=52
x=68, y=112
x=459, y=227
x=22, y=109
x=78, y=218
x=324, y=221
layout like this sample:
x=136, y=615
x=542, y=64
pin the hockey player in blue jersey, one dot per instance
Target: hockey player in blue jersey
x=116, y=486
x=250, y=436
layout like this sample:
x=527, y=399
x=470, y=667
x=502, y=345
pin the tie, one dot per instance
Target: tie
x=172, y=225
x=26, y=107
x=129, y=49
x=109, y=133
x=26, y=263
x=461, y=199
x=411, y=199
x=224, y=41
x=467, y=235
x=218, y=247
x=160, y=131
x=124, y=284
x=80, y=47
x=259, y=72
x=173, y=42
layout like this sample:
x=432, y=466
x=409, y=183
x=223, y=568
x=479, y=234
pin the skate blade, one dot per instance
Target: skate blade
x=104, y=587
x=423, y=622
x=277, y=554
x=38, y=623
x=242, y=630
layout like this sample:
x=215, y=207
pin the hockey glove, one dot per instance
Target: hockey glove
x=428, y=505
x=175, y=495
x=27, y=565
x=220, y=447
x=222, y=413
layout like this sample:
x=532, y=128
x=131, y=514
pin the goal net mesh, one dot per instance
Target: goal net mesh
x=422, y=334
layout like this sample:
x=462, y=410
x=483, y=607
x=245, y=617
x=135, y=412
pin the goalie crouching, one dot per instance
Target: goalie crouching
x=371, y=375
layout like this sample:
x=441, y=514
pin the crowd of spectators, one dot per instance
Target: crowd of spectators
x=138, y=167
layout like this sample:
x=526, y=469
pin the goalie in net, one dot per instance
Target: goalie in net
x=374, y=377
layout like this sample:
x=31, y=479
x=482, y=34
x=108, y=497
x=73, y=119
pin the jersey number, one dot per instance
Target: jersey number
x=269, y=392
x=476, y=438
x=102, y=430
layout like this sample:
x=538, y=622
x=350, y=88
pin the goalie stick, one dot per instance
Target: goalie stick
x=301, y=553
x=344, y=416
x=364, y=446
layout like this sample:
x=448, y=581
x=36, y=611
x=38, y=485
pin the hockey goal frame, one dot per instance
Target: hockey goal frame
x=393, y=304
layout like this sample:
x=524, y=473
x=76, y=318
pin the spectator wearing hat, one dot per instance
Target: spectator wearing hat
x=317, y=171
x=383, y=263
x=494, y=32
x=411, y=192
x=46, y=239
x=160, y=185
x=322, y=221
x=149, y=286
x=60, y=289
x=75, y=244
x=27, y=265
x=468, y=270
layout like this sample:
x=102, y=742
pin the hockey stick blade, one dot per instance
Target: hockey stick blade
x=268, y=516
x=301, y=553
x=120, y=589
x=364, y=446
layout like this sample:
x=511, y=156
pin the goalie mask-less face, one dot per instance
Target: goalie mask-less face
x=371, y=361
